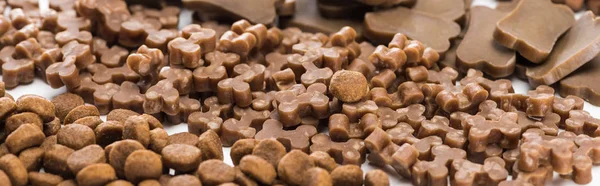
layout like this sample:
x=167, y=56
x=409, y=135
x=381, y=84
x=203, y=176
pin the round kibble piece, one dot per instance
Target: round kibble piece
x=118, y=153
x=317, y=177
x=141, y=165
x=152, y=121
x=27, y=135
x=258, y=168
x=76, y=136
x=215, y=172
x=15, y=121
x=81, y=158
x=90, y=121
x=243, y=179
x=55, y=160
x=14, y=169
x=149, y=183
x=109, y=132
x=323, y=160
x=270, y=150
x=66, y=102
x=181, y=157
x=96, y=175
x=210, y=145
x=184, y=180
x=136, y=128
x=183, y=138
x=4, y=178
x=32, y=158
x=36, y=104
x=347, y=175
x=376, y=178
x=81, y=112
x=38, y=178
x=49, y=142
x=67, y=183
x=119, y=183
x=240, y=149
x=52, y=128
x=292, y=164
x=7, y=106
x=348, y=86
x=120, y=115
x=159, y=138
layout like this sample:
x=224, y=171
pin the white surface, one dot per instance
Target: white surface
x=41, y=88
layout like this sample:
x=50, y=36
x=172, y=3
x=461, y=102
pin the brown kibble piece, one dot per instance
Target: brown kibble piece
x=348, y=86
x=258, y=169
x=270, y=150
x=14, y=169
x=524, y=36
x=181, y=157
x=376, y=178
x=38, y=178
x=16, y=120
x=465, y=172
x=76, y=136
x=199, y=122
x=292, y=139
x=435, y=172
x=293, y=163
x=162, y=97
x=119, y=183
x=159, y=139
x=80, y=112
x=108, y=132
x=36, y=104
x=480, y=130
x=96, y=175
x=215, y=172
x=84, y=157
x=27, y=135
x=581, y=82
x=347, y=175
x=316, y=176
x=183, y=138
x=141, y=165
x=237, y=10
x=120, y=115
x=573, y=50
x=210, y=145
x=323, y=160
x=581, y=122
x=55, y=160
x=66, y=102
x=32, y=158
x=245, y=127
x=350, y=152
x=184, y=180
x=137, y=128
x=119, y=153
x=241, y=148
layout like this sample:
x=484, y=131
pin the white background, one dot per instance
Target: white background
x=41, y=88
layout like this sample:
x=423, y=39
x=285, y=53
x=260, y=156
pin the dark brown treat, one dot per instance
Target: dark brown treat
x=478, y=48
x=137, y=128
x=243, y=126
x=308, y=18
x=384, y=79
x=84, y=157
x=64, y=103
x=180, y=78
x=350, y=152
x=147, y=62
x=439, y=126
x=63, y=73
x=133, y=32
x=128, y=97
x=480, y=130
x=581, y=122
x=162, y=97
x=181, y=157
x=215, y=172
x=275, y=63
x=376, y=178
x=15, y=71
x=270, y=150
x=293, y=105
x=378, y=27
x=562, y=106
x=114, y=56
x=36, y=104
x=141, y=165
x=158, y=139
x=120, y=115
x=76, y=136
x=348, y=86
x=238, y=90
x=119, y=183
x=27, y=135
x=99, y=95
x=572, y=51
x=185, y=53
x=347, y=175
x=183, y=138
x=199, y=122
x=55, y=160
x=388, y=58
x=14, y=170
x=210, y=145
x=207, y=78
x=81, y=112
x=102, y=74
x=291, y=164
x=32, y=158
x=524, y=36
x=464, y=172
x=257, y=168
x=292, y=139
x=119, y=153
x=108, y=132
x=38, y=178
x=16, y=120
x=184, y=180
x=323, y=160
x=241, y=148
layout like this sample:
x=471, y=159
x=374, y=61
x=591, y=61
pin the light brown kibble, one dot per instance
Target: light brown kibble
x=348, y=86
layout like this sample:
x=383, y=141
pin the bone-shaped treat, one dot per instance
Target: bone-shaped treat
x=161, y=97
x=439, y=126
x=181, y=79
x=581, y=122
x=237, y=90
x=406, y=94
x=295, y=105
x=200, y=122
x=243, y=126
x=340, y=128
x=128, y=97
x=117, y=75
x=465, y=172
x=350, y=152
x=298, y=138
x=220, y=65
x=480, y=131
x=99, y=95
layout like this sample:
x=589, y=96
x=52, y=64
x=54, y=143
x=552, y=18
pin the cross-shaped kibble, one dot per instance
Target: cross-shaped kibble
x=244, y=126
x=500, y=90
x=298, y=138
x=549, y=123
x=481, y=132
x=352, y=151
x=263, y=101
x=413, y=115
x=407, y=93
x=442, y=76
x=128, y=97
x=114, y=56
x=540, y=101
x=82, y=52
x=180, y=78
x=293, y=106
x=146, y=62
x=439, y=126
x=295, y=61
x=187, y=106
x=304, y=46
x=185, y=53
x=335, y=58
x=73, y=34
x=435, y=172
x=200, y=122
x=237, y=90
x=403, y=133
x=388, y=58
x=98, y=94
x=315, y=74
x=389, y=117
x=103, y=74
x=581, y=122
x=240, y=44
x=562, y=106
x=15, y=71
x=207, y=78
x=161, y=97
x=465, y=172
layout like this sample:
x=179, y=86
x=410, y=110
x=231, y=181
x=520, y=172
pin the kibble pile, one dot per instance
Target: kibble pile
x=296, y=108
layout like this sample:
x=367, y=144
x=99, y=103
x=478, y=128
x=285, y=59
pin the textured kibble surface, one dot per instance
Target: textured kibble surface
x=304, y=92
